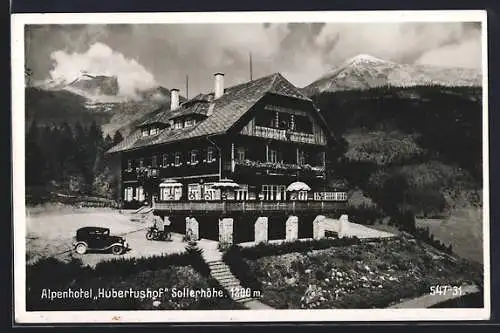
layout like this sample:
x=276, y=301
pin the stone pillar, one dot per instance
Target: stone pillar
x=292, y=228
x=261, y=229
x=192, y=229
x=226, y=230
x=319, y=227
x=343, y=226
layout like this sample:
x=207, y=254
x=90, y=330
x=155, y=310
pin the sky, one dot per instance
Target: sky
x=147, y=55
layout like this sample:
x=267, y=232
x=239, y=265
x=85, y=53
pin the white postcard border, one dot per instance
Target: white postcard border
x=186, y=316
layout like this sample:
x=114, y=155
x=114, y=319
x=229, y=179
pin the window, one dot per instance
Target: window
x=129, y=165
x=210, y=155
x=140, y=194
x=210, y=193
x=273, y=192
x=272, y=155
x=141, y=163
x=189, y=122
x=194, y=157
x=302, y=195
x=153, y=131
x=194, y=192
x=167, y=193
x=241, y=193
x=178, y=124
x=171, y=193
x=165, y=160
x=145, y=132
x=128, y=194
x=301, y=157
x=240, y=154
x=177, y=159
x=341, y=196
x=154, y=161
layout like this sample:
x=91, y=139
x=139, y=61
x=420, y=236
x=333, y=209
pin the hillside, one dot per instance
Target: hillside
x=59, y=105
x=415, y=149
x=364, y=72
x=48, y=107
x=415, y=134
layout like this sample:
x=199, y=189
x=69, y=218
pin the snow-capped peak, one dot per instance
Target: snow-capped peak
x=364, y=58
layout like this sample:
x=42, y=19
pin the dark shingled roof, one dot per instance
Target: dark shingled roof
x=227, y=110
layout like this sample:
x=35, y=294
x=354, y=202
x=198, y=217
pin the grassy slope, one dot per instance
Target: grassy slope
x=463, y=229
x=418, y=135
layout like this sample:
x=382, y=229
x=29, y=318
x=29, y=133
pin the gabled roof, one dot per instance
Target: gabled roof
x=227, y=110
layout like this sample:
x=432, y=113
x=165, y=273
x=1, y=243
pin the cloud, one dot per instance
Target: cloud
x=100, y=59
x=466, y=54
x=301, y=51
x=400, y=42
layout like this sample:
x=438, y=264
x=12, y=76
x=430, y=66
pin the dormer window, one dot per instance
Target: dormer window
x=189, y=122
x=178, y=124
x=147, y=131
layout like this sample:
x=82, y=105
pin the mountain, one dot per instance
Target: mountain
x=96, y=85
x=365, y=71
x=91, y=98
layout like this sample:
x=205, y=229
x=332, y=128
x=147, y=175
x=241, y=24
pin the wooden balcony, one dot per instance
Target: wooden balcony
x=285, y=207
x=283, y=135
x=247, y=166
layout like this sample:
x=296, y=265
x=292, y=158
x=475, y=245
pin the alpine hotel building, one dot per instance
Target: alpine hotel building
x=263, y=135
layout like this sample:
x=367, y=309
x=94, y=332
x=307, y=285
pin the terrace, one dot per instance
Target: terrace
x=229, y=206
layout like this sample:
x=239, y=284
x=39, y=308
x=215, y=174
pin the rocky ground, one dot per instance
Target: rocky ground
x=369, y=275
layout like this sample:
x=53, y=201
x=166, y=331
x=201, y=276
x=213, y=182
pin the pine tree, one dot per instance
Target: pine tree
x=117, y=138
x=108, y=142
x=34, y=170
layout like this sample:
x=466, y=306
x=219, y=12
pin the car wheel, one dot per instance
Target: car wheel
x=117, y=249
x=81, y=248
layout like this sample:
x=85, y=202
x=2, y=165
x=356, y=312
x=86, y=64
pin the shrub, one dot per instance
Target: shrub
x=424, y=235
x=364, y=214
x=240, y=269
x=264, y=250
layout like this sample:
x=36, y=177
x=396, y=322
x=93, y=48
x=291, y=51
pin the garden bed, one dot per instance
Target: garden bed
x=366, y=275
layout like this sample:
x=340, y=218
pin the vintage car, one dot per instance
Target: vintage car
x=98, y=239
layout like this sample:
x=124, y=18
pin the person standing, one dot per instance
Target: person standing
x=158, y=223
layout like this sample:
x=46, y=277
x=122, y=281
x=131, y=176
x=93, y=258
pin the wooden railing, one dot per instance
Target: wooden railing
x=284, y=135
x=287, y=168
x=249, y=206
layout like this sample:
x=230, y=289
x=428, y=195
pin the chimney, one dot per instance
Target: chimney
x=219, y=85
x=174, y=99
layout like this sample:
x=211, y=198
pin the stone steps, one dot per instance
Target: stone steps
x=222, y=274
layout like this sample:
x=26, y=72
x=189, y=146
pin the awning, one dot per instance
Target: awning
x=225, y=184
x=298, y=186
x=170, y=183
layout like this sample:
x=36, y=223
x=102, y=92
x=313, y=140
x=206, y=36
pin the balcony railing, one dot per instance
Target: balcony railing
x=269, y=167
x=284, y=135
x=249, y=206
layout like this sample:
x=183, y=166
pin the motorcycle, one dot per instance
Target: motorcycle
x=154, y=234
